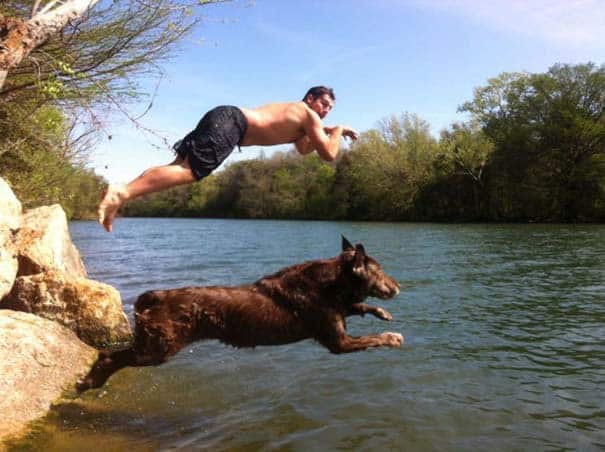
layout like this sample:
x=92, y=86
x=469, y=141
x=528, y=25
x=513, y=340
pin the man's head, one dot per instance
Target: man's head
x=320, y=99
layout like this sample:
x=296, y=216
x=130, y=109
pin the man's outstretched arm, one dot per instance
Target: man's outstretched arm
x=304, y=145
x=326, y=141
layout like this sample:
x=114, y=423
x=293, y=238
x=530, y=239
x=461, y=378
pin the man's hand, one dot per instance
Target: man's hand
x=348, y=132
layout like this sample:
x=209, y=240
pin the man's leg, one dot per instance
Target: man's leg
x=154, y=179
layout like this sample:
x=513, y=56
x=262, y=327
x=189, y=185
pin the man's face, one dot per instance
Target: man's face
x=320, y=104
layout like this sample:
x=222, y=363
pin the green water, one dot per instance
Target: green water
x=504, y=328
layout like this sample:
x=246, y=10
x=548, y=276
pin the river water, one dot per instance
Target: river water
x=504, y=348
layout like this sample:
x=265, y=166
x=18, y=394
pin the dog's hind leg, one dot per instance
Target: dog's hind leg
x=107, y=364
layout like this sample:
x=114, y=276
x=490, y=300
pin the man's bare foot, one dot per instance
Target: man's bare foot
x=113, y=198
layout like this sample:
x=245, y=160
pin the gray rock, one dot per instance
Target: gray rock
x=39, y=359
x=91, y=309
x=43, y=243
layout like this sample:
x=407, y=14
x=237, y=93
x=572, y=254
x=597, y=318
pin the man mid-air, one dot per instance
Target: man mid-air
x=223, y=128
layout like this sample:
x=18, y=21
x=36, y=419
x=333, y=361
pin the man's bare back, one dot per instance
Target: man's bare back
x=277, y=123
x=271, y=124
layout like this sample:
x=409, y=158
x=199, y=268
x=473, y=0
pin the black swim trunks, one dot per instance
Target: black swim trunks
x=213, y=139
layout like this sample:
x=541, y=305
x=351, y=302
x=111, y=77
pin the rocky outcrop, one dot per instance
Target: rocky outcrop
x=10, y=219
x=43, y=243
x=39, y=359
x=48, y=277
x=91, y=309
x=42, y=273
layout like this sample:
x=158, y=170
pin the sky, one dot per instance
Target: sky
x=381, y=57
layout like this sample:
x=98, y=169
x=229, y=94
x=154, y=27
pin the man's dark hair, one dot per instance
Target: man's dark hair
x=318, y=91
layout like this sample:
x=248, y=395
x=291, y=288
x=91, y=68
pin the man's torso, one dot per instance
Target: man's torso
x=277, y=123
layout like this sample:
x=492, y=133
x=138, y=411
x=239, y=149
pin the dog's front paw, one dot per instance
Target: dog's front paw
x=392, y=339
x=383, y=314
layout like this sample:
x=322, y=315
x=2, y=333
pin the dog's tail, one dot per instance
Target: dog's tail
x=107, y=364
x=147, y=300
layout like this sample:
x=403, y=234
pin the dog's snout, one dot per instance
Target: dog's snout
x=387, y=288
x=393, y=287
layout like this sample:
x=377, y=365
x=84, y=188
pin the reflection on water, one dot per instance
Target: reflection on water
x=504, y=327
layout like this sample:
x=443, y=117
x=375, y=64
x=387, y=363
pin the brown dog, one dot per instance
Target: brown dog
x=309, y=300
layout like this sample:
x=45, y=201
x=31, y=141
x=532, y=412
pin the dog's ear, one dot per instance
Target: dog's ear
x=359, y=260
x=360, y=249
x=346, y=245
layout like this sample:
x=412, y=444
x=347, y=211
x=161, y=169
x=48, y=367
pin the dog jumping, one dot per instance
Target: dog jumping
x=305, y=301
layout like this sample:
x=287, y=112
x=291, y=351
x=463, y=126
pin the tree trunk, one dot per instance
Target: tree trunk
x=18, y=37
x=14, y=41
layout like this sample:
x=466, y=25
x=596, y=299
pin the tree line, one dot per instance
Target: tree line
x=533, y=150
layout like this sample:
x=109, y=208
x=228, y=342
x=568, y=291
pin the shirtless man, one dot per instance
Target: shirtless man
x=223, y=128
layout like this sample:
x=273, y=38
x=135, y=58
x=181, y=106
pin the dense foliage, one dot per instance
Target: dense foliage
x=549, y=136
x=532, y=150
x=42, y=165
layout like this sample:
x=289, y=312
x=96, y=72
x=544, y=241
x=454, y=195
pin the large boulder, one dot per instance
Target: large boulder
x=10, y=219
x=39, y=359
x=10, y=207
x=91, y=309
x=43, y=243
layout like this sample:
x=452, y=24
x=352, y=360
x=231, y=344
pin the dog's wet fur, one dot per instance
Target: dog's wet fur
x=305, y=301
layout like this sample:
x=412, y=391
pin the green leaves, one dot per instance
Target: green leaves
x=544, y=128
x=37, y=159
